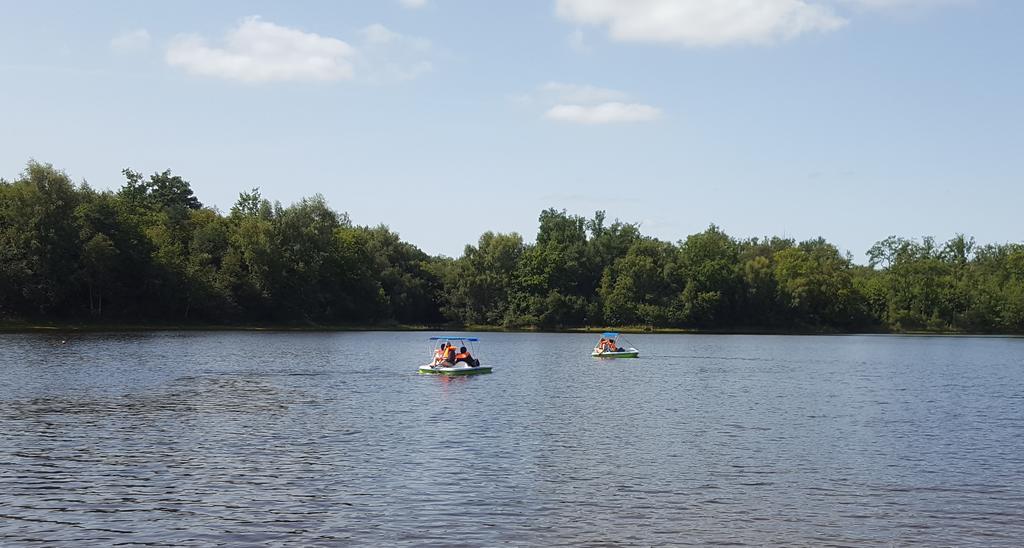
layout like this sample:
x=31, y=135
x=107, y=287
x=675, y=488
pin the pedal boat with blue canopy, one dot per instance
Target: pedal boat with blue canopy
x=602, y=349
x=441, y=366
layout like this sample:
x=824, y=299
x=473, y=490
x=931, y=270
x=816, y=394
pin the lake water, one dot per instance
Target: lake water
x=332, y=438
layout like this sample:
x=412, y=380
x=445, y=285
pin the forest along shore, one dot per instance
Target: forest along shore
x=151, y=256
x=89, y=327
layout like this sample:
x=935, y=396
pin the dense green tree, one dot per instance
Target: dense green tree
x=252, y=256
x=125, y=280
x=98, y=261
x=916, y=279
x=39, y=242
x=546, y=288
x=151, y=252
x=323, y=269
x=410, y=287
x=162, y=191
x=708, y=271
x=208, y=287
x=638, y=288
x=478, y=286
x=816, y=284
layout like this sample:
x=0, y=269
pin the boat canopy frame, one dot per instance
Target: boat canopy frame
x=437, y=339
x=618, y=336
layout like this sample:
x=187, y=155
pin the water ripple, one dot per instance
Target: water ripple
x=198, y=439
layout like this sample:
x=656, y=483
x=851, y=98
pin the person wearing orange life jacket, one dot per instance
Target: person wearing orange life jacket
x=449, y=354
x=607, y=345
x=465, y=356
x=439, y=353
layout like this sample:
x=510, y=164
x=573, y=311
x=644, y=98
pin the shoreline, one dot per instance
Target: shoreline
x=75, y=327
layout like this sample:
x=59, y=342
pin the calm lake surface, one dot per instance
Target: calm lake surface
x=333, y=438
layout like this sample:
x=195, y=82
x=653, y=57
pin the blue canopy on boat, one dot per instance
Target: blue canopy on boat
x=609, y=335
x=471, y=339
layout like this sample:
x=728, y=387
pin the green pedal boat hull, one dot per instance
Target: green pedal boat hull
x=427, y=370
x=614, y=355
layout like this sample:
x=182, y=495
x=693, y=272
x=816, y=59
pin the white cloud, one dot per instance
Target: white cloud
x=413, y=4
x=702, y=23
x=132, y=40
x=603, y=113
x=586, y=104
x=259, y=51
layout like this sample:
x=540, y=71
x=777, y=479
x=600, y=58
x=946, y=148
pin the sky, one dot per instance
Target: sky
x=851, y=120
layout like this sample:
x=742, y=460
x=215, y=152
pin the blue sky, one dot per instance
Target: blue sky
x=848, y=119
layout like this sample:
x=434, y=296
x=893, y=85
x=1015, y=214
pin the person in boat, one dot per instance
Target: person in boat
x=607, y=345
x=447, y=356
x=465, y=356
x=439, y=353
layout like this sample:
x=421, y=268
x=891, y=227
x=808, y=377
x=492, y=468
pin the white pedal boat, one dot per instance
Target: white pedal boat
x=624, y=353
x=460, y=368
x=469, y=366
x=605, y=346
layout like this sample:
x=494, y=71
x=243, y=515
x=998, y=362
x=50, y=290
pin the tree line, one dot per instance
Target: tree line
x=151, y=252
